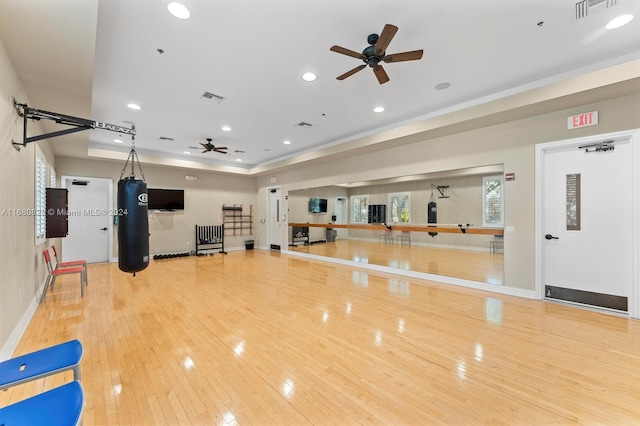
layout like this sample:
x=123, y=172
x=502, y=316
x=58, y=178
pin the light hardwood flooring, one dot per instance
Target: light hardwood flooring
x=260, y=338
x=474, y=265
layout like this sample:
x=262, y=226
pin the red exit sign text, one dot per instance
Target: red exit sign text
x=582, y=120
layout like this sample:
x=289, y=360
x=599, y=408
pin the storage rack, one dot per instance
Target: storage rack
x=236, y=221
x=209, y=237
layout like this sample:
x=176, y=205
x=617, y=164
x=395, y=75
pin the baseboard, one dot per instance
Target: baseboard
x=12, y=342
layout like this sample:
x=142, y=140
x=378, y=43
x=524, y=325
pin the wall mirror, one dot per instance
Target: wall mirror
x=364, y=221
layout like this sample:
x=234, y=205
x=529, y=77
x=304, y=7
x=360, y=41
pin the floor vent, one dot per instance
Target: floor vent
x=601, y=300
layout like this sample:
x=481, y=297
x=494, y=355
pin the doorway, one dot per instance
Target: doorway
x=90, y=222
x=341, y=217
x=275, y=218
x=587, y=221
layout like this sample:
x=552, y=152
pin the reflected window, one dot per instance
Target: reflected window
x=400, y=207
x=359, y=208
x=492, y=201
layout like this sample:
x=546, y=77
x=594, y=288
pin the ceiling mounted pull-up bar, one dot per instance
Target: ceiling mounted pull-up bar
x=79, y=124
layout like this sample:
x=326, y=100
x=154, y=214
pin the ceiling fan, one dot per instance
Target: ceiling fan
x=376, y=53
x=208, y=147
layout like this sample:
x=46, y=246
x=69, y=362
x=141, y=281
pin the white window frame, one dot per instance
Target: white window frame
x=52, y=178
x=360, y=216
x=486, y=221
x=40, y=199
x=395, y=201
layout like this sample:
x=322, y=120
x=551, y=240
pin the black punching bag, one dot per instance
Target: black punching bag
x=133, y=225
x=432, y=215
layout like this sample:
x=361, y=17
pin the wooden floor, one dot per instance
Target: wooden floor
x=474, y=265
x=259, y=338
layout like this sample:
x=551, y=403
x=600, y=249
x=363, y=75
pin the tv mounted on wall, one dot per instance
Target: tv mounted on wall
x=165, y=199
x=317, y=205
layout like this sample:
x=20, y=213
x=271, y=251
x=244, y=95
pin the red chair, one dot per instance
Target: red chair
x=55, y=273
x=71, y=263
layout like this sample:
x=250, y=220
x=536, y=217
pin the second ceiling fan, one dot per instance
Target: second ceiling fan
x=376, y=53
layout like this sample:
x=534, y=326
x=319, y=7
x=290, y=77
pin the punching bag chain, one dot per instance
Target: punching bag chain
x=133, y=156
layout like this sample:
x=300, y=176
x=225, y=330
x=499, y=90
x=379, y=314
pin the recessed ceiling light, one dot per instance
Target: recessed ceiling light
x=286, y=142
x=178, y=10
x=134, y=106
x=226, y=128
x=118, y=141
x=238, y=159
x=186, y=152
x=619, y=21
x=442, y=86
x=309, y=76
x=378, y=109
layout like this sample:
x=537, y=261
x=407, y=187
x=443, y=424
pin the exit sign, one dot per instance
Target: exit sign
x=582, y=120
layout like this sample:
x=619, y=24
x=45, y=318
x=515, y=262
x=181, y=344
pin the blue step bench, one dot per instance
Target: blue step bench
x=42, y=363
x=61, y=406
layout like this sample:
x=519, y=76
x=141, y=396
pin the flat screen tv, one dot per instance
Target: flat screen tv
x=317, y=205
x=165, y=199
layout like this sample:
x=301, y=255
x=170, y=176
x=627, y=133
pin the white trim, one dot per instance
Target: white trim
x=633, y=136
x=11, y=344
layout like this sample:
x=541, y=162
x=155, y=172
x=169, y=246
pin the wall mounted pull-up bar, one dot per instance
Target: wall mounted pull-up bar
x=78, y=124
x=441, y=190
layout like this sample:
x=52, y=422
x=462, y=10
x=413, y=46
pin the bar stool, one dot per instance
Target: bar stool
x=386, y=236
x=496, y=244
x=405, y=238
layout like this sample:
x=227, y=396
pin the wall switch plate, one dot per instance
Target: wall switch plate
x=510, y=230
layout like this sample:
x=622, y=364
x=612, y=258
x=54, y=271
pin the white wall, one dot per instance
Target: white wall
x=21, y=261
x=204, y=197
x=511, y=144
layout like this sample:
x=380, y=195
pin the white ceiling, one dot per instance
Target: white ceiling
x=91, y=58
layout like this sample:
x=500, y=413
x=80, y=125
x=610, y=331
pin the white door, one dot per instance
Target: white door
x=89, y=219
x=341, y=217
x=586, y=224
x=276, y=218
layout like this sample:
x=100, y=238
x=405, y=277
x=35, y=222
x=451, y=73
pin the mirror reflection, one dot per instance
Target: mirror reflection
x=446, y=223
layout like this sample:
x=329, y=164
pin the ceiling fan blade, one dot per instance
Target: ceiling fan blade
x=387, y=34
x=350, y=73
x=414, y=55
x=204, y=145
x=205, y=151
x=381, y=74
x=347, y=52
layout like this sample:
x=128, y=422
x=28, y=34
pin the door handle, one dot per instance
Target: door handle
x=103, y=229
x=550, y=237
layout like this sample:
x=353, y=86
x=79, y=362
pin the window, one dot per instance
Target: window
x=400, y=207
x=40, y=196
x=492, y=201
x=359, y=208
x=52, y=177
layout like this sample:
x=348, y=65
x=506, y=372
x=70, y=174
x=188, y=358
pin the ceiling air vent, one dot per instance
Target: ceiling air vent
x=303, y=124
x=585, y=8
x=212, y=97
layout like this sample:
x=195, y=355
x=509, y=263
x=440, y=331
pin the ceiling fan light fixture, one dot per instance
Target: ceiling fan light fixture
x=178, y=10
x=309, y=76
x=619, y=22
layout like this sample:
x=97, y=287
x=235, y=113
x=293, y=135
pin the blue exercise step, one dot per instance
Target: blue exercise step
x=42, y=363
x=61, y=406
